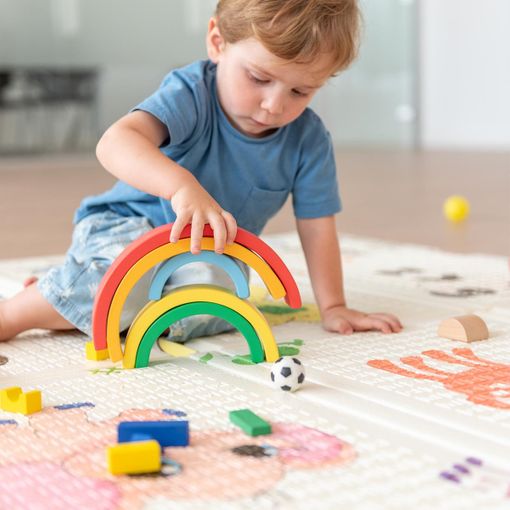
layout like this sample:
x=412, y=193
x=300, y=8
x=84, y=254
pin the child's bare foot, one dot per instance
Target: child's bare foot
x=29, y=281
x=2, y=325
x=28, y=310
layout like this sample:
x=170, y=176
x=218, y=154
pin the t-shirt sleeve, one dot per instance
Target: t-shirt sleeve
x=315, y=193
x=176, y=105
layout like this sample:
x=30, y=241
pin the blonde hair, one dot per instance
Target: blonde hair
x=295, y=30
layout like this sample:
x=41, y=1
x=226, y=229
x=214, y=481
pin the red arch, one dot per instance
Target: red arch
x=160, y=236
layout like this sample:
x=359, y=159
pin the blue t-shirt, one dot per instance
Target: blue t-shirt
x=249, y=177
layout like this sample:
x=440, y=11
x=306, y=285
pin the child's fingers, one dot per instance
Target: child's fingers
x=393, y=321
x=370, y=322
x=344, y=327
x=197, y=232
x=387, y=316
x=231, y=225
x=178, y=226
x=220, y=233
x=339, y=325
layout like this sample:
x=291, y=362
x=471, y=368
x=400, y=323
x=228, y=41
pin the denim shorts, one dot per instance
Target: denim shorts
x=97, y=241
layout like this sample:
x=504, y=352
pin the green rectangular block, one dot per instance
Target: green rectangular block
x=249, y=422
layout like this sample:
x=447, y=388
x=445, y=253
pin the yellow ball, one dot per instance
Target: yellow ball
x=456, y=208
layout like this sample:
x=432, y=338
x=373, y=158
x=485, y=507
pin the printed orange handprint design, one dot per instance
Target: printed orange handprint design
x=484, y=382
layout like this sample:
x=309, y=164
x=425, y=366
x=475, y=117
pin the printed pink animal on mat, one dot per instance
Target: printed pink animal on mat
x=57, y=461
x=484, y=382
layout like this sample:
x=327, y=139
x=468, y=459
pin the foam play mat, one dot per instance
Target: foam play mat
x=400, y=421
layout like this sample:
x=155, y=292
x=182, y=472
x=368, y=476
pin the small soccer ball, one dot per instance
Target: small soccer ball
x=456, y=208
x=287, y=373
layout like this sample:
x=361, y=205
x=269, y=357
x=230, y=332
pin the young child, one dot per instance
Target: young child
x=222, y=141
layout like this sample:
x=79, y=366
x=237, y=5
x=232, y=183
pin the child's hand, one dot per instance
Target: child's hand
x=341, y=319
x=192, y=204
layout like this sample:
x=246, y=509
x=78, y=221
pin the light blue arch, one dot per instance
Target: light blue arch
x=165, y=271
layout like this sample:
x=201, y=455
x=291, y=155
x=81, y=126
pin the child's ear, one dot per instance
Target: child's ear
x=215, y=42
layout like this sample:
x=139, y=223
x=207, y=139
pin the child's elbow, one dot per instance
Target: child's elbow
x=99, y=149
x=104, y=145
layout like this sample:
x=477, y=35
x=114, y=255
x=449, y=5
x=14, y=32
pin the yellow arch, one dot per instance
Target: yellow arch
x=164, y=252
x=193, y=293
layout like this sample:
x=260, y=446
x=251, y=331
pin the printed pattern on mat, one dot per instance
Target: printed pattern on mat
x=331, y=444
x=58, y=454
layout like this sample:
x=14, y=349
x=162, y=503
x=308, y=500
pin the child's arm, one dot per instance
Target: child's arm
x=320, y=244
x=129, y=150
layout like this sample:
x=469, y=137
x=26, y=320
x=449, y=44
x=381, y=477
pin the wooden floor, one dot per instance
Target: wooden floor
x=392, y=195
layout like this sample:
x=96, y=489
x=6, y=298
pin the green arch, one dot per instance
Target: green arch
x=198, y=308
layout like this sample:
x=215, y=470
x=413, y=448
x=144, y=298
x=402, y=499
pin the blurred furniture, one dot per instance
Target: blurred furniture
x=47, y=109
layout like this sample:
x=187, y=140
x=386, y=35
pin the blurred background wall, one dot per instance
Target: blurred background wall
x=465, y=74
x=431, y=73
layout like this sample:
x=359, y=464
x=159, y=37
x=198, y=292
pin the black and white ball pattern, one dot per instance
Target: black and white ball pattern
x=287, y=373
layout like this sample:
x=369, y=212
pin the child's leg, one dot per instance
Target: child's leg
x=63, y=298
x=28, y=310
x=97, y=241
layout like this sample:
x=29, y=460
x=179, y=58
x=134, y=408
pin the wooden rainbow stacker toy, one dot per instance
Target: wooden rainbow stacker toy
x=161, y=311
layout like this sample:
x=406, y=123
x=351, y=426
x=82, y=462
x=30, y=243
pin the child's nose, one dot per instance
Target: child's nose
x=273, y=104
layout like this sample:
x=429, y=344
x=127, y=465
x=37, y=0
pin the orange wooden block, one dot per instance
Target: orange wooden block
x=466, y=328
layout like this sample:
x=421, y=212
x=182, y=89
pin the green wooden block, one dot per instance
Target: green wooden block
x=249, y=422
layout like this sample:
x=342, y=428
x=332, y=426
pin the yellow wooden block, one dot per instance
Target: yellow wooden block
x=196, y=293
x=134, y=458
x=93, y=355
x=164, y=252
x=175, y=349
x=14, y=400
